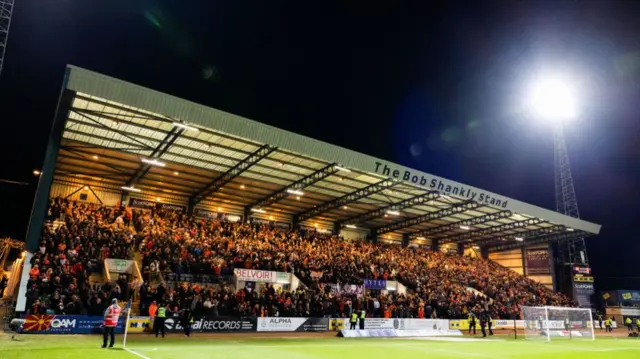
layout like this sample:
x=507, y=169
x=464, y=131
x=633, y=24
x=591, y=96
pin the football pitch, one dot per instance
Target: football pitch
x=241, y=347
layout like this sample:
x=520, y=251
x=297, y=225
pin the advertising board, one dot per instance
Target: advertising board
x=293, y=324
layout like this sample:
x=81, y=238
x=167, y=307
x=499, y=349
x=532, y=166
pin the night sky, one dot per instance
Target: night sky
x=434, y=86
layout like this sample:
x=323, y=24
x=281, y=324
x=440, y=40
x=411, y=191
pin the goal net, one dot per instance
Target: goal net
x=550, y=323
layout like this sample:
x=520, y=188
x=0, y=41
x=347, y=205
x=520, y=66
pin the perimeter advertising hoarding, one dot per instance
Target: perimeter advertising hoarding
x=404, y=324
x=212, y=325
x=293, y=324
x=537, y=261
x=66, y=324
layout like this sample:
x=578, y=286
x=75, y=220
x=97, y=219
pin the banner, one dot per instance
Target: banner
x=253, y=275
x=629, y=297
x=293, y=324
x=66, y=324
x=216, y=216
x=119, y=265
x=140, y=325
x=380, y=284
x=338, y=324
x=198, y=278
x=317, y=275
x=583, y=293
x=347, y=289
x=405, y=323
x=537, y=261
x=212, y=325
x=149, y=205
x=274, y=224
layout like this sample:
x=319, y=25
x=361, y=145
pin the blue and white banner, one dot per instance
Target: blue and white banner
x=66, y=324
x=379, y=284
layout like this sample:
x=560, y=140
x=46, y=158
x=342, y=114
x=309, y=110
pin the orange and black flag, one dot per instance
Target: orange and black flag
x=37, y=322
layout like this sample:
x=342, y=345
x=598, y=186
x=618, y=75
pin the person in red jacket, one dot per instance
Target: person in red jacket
x=110, y=323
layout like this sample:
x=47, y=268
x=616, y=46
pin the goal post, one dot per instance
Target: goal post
x=552, y=323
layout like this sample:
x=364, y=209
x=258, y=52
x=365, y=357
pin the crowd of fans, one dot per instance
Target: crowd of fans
x=68, y=255
x=171, y=242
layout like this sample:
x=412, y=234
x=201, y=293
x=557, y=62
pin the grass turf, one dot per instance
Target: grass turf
x=175, y=347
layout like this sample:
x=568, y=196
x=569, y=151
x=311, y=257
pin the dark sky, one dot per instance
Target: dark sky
x=435, y=86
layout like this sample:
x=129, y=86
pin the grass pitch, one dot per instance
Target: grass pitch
x=244, y=347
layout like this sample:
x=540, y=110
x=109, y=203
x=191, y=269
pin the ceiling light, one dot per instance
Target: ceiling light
x=153, y=162
x=95, y=157
x=131, y=189
x=315, y=225
x=280, y=164
x=343, y=169
x=386, y=215
x=271, y=218
x=86, y=188
x=258, y=210
x=295, y=191
x=36, y=173
x=186, y=127
x=421, y=238
x=393, y=213
x=466, y=228
x=158, y=199
x=351, y=226
x=176, y=173
x=341, y=179
x=242, y=186
x=345, y=207
x=476, y=247
x=298, y=198
x=570, y=229
x=219, y=209
x=519, y=239
x=445, y=196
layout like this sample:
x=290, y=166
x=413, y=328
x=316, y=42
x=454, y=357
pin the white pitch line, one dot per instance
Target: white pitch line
x=136, y=353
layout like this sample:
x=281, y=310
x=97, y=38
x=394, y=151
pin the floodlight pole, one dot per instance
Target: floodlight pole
x=570, y=251
x=6, y=10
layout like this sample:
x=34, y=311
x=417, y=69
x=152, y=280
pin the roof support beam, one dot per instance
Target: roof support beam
x=470, y=235
x=346, y=199
x=160, y=150
x=566, y=235
x=456, y=209
x=298, y=185
x=398, y=206
x=527, y=237
x=231, y=173
x=467, y=222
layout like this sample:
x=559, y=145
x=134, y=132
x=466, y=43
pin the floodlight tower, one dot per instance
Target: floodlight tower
x=553, y=101
x=6, y=9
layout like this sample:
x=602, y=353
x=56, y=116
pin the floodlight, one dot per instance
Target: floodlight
x=552, y=99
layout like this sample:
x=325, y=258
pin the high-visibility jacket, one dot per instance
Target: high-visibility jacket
x=111, y=316
x=628, y=321
x=638, y=323
x=363, y=314
x=354, y=317
x=153, y=309
x=162, y=312
x=607, y=322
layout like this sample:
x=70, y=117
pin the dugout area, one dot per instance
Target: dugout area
x=114, y=142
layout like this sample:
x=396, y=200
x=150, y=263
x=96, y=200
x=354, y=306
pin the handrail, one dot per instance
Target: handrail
x=105, y=268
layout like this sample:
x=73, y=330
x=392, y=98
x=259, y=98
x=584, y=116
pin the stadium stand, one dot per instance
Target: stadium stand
x=172, y=242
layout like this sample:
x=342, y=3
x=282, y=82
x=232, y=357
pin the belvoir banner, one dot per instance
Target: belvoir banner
x=537, y=261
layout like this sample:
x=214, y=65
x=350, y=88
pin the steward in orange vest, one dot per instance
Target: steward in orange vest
x=110, y=323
